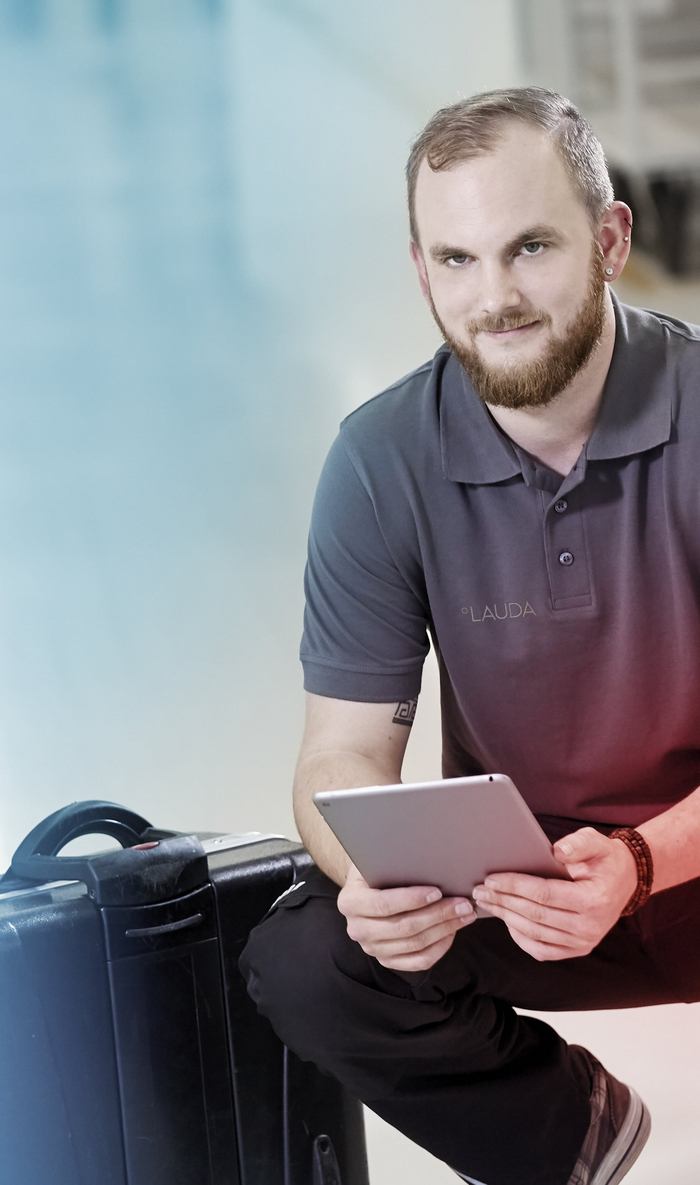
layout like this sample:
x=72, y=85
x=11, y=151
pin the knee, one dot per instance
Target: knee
x=336, y=1006
x=292, y=964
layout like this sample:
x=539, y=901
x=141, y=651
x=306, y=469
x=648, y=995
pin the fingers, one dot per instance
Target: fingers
x=403, y=939
x=533, y=923
x=548, y=892
x=357, y=896
x=544, y=932
x=544, y=952
x=423, y=961
x=532, y=932
x=408, y=930
x=407, y=910
x=546, y=916
x=397, y=926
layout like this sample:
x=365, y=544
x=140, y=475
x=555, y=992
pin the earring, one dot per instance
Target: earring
x=626, y=239
x=609, y=271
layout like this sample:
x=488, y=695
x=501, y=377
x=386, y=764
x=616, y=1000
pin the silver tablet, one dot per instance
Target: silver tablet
x=451, y=833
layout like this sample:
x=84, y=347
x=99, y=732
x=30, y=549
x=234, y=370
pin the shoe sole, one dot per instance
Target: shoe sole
x=627, y=1145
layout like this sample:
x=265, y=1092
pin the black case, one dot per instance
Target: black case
x=130, y=1052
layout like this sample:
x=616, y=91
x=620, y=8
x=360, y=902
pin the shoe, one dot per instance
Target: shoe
x=619, y=1129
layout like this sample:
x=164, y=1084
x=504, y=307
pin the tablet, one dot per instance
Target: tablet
x=450, y=833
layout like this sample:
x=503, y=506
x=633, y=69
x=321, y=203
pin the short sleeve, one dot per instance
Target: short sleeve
x=365, y=628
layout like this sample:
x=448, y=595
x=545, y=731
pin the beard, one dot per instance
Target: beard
x=536, y=383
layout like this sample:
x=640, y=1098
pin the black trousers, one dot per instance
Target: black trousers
x=442, y=1055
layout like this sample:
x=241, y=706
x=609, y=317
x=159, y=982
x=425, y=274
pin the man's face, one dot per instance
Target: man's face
x=511, y=269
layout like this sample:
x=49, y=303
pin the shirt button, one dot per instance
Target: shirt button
x=561, y=505
x=566, y=558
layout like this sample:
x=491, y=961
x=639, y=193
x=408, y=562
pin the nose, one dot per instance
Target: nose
x=499, y=292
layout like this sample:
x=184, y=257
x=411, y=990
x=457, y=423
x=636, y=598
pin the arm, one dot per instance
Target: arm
x=674, y=839
x=345, y=744
x=358, y=744
x=557, y=920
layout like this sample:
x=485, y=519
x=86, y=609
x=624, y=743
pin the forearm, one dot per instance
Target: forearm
x=330, y=771
x=674, y=839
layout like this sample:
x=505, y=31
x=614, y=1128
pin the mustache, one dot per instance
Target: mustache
x=496, y=324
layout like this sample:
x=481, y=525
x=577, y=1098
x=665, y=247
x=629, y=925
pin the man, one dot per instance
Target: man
x=530, y=497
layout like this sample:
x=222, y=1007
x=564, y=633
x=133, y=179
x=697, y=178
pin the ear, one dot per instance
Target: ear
x=417, y=257
x=616, y=227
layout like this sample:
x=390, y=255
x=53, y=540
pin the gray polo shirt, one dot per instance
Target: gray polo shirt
x=564, y=612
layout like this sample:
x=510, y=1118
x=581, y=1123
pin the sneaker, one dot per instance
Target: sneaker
x=619, y=1129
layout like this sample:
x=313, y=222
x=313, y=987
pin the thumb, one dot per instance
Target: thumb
x=354, y=877
x=580, y=846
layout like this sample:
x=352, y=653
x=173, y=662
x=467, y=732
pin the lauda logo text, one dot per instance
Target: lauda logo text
x=499, y=612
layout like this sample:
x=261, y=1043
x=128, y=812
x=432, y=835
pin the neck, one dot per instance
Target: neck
x=555, y=434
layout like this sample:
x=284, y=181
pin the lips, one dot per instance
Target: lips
x=519, y=329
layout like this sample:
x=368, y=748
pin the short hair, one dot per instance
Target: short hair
x=473, y=127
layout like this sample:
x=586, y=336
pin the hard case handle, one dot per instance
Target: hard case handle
x=172, y=868
x=93, y=817
x=37, y=857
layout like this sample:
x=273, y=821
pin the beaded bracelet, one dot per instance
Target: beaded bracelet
x=641, y=851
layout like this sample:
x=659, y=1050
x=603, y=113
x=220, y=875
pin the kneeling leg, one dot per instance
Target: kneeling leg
x=498, y=1096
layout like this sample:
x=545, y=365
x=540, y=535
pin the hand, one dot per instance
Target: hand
x=553, y=919
x=405, y=929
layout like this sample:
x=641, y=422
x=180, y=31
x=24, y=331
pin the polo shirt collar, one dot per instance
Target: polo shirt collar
x=635, y=411
x=634, y=415
x=473, y=447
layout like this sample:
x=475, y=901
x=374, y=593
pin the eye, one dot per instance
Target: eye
x=526, y=248
x=455, y=260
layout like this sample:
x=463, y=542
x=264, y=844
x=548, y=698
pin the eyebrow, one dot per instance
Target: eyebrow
x=541, y=231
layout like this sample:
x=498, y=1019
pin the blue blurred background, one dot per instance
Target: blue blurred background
x=203, y=268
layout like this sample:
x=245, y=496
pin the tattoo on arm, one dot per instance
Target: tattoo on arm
x=405, y=712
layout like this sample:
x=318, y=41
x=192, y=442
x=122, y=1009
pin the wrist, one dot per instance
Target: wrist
x=629, y=876
x=640, y=866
